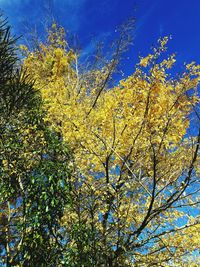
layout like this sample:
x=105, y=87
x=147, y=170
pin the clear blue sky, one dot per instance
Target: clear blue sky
x=87, y=18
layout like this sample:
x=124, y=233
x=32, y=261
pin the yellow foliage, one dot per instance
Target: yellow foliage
x=115, y=140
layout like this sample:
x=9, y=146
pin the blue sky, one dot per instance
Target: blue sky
x=92, y=18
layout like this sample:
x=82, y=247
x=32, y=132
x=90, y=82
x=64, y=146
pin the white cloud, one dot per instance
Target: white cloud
x=10, y=2
x=145, y=17
x=35, y=12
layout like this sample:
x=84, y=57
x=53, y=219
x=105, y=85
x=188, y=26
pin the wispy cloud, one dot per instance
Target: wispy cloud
x=35, y=11
x=6, y=1
x=69, y=12
x=143, y=19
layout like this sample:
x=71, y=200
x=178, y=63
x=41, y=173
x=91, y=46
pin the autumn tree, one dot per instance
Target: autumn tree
x=33, y=166
x=137, y=165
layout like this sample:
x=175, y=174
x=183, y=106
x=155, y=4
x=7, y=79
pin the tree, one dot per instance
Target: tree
x=136, y=178
x=34, y=169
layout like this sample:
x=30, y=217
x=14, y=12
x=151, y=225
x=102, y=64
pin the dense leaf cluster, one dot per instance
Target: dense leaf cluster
x=33, y=169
